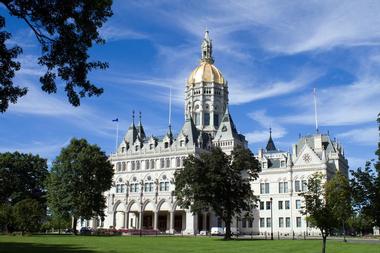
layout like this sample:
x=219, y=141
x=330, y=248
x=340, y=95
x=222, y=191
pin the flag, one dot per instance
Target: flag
x=115, y=120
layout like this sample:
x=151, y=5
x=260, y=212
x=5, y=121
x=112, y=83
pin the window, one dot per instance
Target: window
x=244, y=222
x=287, y=222
x=282, y=163
x=123, y=166
x=216, y=119
x=298, y=222
x=133, y=165
x=178, y=162
x=264, y=165
x=285, y=187
x=268, y=205
x=166, y=144
x=250, y=222
x=264, y=188
x=148, y=187
x=151, y=146
x=261, y=205
x=298, y=204
x=167, y=162
x=181, y=143
x=304, y=185
x=118, y=166
x=134, y=187
x=207, y=119
x=197, y=119
x=137, y=165
x=297, y=186
x=269, y=222
x=152, y=164
x=287, y=204
x=136, y=148
x=164, y=186
x=262, y=222
x=281, y=222
x=162, y=163
x=280, y=205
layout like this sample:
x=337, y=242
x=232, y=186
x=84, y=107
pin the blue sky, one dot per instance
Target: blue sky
x=273, y=53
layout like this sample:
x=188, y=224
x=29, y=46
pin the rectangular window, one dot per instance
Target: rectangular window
x=269, y=222
x=178, y=162
x=261, y=205
x=216, y=119
x=264, y=188
x=281, y=222
x=287, y=204
x=162, y=186
x=166, y=186
x=268, y=205
x=262, y=222
x=133, y=165
x=297, y=186
x=137, y=165
x=267, y=188
x=285, y=187
x=298, y=222
x=280, y=205
x=167, y=163
x=244, y=222
x=298, y=204
x=197, y=119
x=152, y=164
x=250, y=222
x=162, y=163
x=281, y=187
x=207, y=119
x=304, y=185
x=147, y=164
x=287, y=222
x=282, y=163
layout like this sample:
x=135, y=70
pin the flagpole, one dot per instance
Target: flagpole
x=117, y=135
x=315, y=110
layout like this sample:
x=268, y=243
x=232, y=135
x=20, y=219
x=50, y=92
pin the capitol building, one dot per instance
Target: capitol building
x=142, y=196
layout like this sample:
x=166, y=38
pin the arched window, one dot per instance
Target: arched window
x=120, y=186
x=148, y=185
x=134, y=185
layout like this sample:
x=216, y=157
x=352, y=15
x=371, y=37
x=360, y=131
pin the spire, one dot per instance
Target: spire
x=270, y=145
x=206, y=48
x=140, y=128
x=133, y=117
x=315, y=110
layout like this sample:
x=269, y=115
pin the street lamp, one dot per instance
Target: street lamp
x=271, y=218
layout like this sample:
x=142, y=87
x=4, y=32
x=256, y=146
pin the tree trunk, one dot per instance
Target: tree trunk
x=227, y=235
x=344, y=233
x=324, y=243
x=74, y=225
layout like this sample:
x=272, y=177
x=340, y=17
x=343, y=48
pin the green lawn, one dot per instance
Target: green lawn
x=92, y=244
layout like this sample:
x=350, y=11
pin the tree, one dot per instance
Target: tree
x=66, y=30
x=79, y=177
x=218, y=181
x=29, y=215
x=338, y=194
x=365, y=185
x=319, y=210
x=21, y=176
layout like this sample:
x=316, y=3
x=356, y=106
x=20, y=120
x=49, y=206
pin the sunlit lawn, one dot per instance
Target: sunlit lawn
x=89, y=244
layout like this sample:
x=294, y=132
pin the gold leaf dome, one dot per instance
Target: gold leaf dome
x=206, y=72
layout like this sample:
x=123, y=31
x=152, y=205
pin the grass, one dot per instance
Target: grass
x=92, y=244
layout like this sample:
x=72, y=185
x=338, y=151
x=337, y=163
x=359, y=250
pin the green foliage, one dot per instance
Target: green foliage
x=66, y=30
x=79, y=177
x=218, y=181
x=318, y=208
x=21, y=176
x=29, y=215
x=6, y=217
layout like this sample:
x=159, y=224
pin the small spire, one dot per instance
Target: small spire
x=140, y=118
x=270, y=145
x=133, y=117
x=206, y=49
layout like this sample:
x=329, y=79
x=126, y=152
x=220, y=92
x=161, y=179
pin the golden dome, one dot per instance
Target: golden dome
x=206, y=72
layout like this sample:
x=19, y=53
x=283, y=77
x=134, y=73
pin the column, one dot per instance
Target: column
x=155, y=220
x=126, y=220
x=171, y=222
x=191, y=223
x=123, y=224
x=140, y=220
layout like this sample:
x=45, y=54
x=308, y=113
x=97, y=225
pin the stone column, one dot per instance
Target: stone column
x=140, y=220
x=155, y=220
x=191, y=223
x=126, y=220
x=171, y=222
x=123, y=219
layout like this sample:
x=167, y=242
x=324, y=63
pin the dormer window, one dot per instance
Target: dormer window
x=151, y=146
x=181, y=143
x=282, y=163
x=264, y=165
x=136, y=147
x=122, y=149
x=166, y=144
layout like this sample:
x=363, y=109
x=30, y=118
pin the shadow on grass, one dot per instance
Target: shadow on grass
x=12, y=247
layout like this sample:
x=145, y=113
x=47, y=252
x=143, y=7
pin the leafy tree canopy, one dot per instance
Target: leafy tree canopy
x=218, y=181
x=29, y=214
x=65, y=30
x=79, y=177
x=21, y=176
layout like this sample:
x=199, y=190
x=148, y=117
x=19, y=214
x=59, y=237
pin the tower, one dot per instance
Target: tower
x=206, y=94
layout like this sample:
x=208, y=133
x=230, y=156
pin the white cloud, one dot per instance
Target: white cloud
x=266, y=122
x=112, y=32
x=364, y=136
